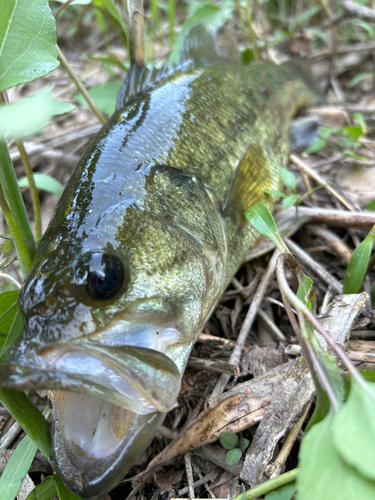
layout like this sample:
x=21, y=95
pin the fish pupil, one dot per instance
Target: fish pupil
x=105, y=277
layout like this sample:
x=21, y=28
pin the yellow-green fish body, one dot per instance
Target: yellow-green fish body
x=147, y=235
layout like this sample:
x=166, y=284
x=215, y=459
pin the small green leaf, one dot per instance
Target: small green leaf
x=352, y=132
x=371, y=205
x=246, y=56
x=286, y=492
x=360, y=119
x=353, y=430
x=64, y=494
x=17, y=468
x=10, y=321
x=104, y=95
x=44, y=182
x=319, y=142
x=323, y=471
x=228, y=439
x=45, y=490
x=206, y=14
x=289, y=201
x=244, y=443
x=114, y=11
x=358, y=264
x=276, y=193
x=358, y=78
x=233, y=456
x=288, y=178
x=260, y=217
x=28, y=42
x=8, y=254
x=31, y=115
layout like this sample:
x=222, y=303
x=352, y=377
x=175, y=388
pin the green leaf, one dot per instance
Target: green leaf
x=233, y=456
x=371, y=205
x=29, y=418
x=352, y=132
x=276, y=193
x=45, y=490
x=260, y=217
x=288, y=178
x=333, y=374
x=206, y=14
x=323, y=472
x=358, y=264
x=10, y=321
x=319, y=412
x=284, y=493
x=31, y=115
x=17, y=468
x=360, y=119
x=244, y=443
x=104, y=95
x=246, y=56
x=319, y=142
x=228, y=439
x=358, y=78
x=28, y=42
x=44, y=182
x=289, y=201
x=114, y=11
x=8, y=254
x=353, y=430
x=64, y=494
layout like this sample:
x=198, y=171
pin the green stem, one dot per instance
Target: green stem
x=13, y=197
x=33, y=189
x=81, y=87
x=22, y=250
x=268, y=486
x=299, y=306
x=171, y=18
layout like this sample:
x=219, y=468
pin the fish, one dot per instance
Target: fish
x=145, y=238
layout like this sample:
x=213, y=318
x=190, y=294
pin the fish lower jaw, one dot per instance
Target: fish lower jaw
x=96, y=442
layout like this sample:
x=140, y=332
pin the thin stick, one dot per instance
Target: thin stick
x=321, y=180
x=136, y=31
x=64, y=5
x=78, y=82
x=189, y=474
x=314, y=266
x=247, y=324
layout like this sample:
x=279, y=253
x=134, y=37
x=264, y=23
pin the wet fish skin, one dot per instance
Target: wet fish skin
x=161, y=192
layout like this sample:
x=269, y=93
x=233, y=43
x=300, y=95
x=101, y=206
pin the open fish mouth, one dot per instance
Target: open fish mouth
x=108, y=401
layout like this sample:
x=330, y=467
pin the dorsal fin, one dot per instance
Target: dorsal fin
x=198, y=46
x=138, y=80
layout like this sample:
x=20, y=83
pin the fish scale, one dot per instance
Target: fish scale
x=146, y=236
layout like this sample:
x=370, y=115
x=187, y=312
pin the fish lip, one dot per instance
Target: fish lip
x=100, y=476
x=137, y=378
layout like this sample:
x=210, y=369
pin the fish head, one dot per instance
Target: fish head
x=105, y=334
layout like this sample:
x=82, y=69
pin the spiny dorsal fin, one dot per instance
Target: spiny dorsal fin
x=140, y=79
x=198, y=47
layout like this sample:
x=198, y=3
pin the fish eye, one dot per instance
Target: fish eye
x=102, y=275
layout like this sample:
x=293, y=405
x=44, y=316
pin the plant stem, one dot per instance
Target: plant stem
x=33, y=189
x=136, y=31
x=22, y=251
x=76, y=79
x=300, y=307
x=13, y=197
x=266, y=487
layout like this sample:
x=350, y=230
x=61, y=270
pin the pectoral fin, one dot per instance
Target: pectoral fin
x=251, y=177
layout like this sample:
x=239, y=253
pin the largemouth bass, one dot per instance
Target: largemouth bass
x=144, y=240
